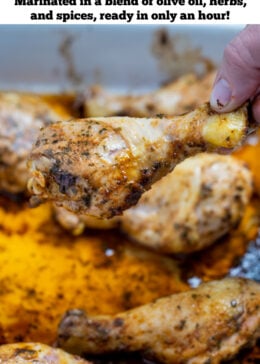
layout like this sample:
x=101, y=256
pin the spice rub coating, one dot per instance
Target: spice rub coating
x=203, y=325
x=102, y=166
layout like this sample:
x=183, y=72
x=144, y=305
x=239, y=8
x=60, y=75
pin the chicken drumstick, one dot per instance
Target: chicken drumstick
x=102, y=166
x=203, y=325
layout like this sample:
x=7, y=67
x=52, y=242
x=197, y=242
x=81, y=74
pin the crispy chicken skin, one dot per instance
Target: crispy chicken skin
x=178, y=97
x=102, y=166
x=203, y=325
x=21, y=117
x=190, y=208
x=36, y=353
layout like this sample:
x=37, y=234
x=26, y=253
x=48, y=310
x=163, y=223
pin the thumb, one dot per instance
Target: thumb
x=238, y=78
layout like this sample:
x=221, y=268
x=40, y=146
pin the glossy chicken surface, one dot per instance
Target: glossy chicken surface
x=206, y=324
x=20, y=353
x=102, y=166
x=190, y=208
x=176, y=98
x=21, y=117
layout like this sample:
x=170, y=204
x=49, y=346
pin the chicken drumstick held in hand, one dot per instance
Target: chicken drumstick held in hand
x=102, y=166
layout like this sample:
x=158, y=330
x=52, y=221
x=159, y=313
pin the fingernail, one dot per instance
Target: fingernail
x=256, y=109
x=221, y=94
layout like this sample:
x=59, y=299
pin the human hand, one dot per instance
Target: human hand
x=238, y=78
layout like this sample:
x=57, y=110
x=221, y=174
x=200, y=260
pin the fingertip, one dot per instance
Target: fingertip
x=224, y=99
x=220, y=95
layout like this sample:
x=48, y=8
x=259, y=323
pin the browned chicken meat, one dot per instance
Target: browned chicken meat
x=36, y=353
x=203, y=325
x=176, y=98
x=21, y=117
x=190, y=208
x=102, y=166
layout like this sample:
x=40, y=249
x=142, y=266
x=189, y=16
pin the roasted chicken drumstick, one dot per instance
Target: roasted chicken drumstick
x=176, y=98
x=21, y=117
x=102, y=166
x=203, y=325
x=190, y=208
x=35, y=353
